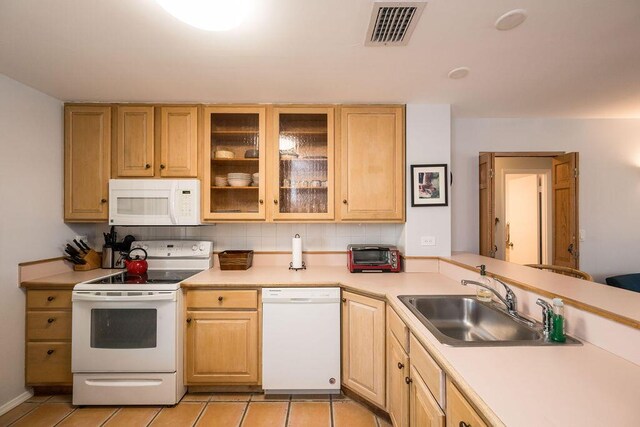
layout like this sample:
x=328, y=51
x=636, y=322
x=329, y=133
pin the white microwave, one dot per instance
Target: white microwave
x=154, y=202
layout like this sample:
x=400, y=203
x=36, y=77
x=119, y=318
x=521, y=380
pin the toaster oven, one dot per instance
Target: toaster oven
x=373, y=259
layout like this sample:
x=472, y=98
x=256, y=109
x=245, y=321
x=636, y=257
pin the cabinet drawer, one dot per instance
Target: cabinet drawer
x=48, y=363
x=398, y=328
x=49, y=325
x=49, y=299
x=428, y=369
x=459, y=410
x=222, y=299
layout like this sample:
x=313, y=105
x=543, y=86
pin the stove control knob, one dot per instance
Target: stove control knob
x=201, y=247
x=194, y=247
x=145, y=247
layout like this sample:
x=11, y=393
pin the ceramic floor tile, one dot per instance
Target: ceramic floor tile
x=309, y=414
x=352, y=414
x=133, y=417
x=196, y=397
x=45, y=415
x=339, y=397
x=230, y=397
x=266, y=414
x=60, y=398
x=222, y=414
x=16, y=413
x=321, y=397
x=39, y=399
x=89, y=416
x=183, y=414
x=260, y=397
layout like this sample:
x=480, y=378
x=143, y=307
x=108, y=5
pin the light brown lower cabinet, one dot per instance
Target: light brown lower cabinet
x=460, y=413
x=424, y=410
x=397, y=382
x=363, y=347
x=222, y=347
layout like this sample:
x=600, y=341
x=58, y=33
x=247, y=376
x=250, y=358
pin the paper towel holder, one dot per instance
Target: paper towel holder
x=291, y=267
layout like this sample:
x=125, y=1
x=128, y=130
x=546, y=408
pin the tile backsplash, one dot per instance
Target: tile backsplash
x=272, y=237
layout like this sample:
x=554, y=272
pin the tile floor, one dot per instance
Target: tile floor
x=200, y=409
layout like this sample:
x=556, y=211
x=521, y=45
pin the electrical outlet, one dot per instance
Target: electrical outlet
x=428, y=240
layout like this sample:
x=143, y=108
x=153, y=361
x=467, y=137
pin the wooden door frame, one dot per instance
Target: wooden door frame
x=550, y=154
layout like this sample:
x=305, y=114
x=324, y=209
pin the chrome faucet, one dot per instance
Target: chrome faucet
x=510, y=301
x=547, y=316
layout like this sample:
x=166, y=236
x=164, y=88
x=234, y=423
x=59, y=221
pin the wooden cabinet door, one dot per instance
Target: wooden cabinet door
x=222, y=347
x=179, y=142
x=372, y=164
x=459, y=411
x=397, y=385
x=566, y=247
x=87, y=163
x=486, y=168
x=134, y=142
x=363, y=347
x=424, y=410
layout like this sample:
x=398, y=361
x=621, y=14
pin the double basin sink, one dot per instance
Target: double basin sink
x=464, y=321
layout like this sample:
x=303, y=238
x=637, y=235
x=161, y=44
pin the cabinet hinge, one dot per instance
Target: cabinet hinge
x=575, y=172
x=490, y=173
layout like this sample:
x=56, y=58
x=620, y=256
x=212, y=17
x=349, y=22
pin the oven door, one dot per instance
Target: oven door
x=124, y=331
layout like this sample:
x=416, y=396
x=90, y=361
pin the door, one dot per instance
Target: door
x=424, y=409
x=222, y=347
x=234, y=144
x=487, y=206
x=87, y=163
x=397, y=384
x=179, y=142
x=372, y=164
x=134, y=142
x=523, y=219
x=363, y=346
x=302, y=150
x=565, y=210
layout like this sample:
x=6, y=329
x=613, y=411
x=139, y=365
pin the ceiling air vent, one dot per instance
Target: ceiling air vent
x=393, y=22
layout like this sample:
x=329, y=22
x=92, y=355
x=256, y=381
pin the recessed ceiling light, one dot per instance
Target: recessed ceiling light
x=511, y=19
x=459, y=73
x=210, y=15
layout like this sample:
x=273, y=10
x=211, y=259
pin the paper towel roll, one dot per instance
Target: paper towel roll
x=296, y=252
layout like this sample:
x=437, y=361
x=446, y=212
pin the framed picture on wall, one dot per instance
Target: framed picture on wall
x=429, y=185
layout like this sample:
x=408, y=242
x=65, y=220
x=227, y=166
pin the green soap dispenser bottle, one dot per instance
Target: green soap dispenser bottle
x=557, y=322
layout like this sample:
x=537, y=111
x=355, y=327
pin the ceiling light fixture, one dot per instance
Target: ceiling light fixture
x=511, y=19
x=459, y=73
x=209, y=15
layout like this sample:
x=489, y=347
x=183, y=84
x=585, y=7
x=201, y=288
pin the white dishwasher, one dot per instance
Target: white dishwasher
x=301, y=340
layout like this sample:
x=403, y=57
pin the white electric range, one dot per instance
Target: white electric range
x=126, y=337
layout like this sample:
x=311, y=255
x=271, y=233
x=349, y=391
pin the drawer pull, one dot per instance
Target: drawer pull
x=220, y=298
x=408, y=380
x=344, y=300
x=400, y=365
x=188, y=319
x=50, y=298
x=463, y=424
x=51, y=319
x=50, y=352
x=147, y=166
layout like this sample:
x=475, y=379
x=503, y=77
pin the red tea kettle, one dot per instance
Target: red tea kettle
x=135, y=265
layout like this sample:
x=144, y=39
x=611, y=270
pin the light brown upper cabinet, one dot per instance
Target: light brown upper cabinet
x=301, y=150
x=87, y=162
x=234, y=142
x=178, y=142
x=372, y=164
x=135, y=142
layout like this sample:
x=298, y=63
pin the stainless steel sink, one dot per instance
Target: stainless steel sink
x=463, y=321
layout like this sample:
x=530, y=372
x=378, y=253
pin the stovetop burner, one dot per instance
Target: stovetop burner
x=152, y=277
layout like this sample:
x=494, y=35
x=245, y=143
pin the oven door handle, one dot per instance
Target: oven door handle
x=88, y=297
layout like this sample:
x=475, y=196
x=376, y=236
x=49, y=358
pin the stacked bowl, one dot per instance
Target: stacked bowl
x=256, y=179
x=239, y=179
x=220, y=181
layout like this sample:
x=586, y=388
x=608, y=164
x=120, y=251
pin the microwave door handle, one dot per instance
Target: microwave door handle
x=172, y=203
x=162, y=297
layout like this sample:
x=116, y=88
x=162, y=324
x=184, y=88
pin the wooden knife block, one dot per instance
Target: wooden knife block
x=94, y=260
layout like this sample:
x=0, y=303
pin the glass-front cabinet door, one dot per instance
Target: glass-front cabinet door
x=303, y=161
x=234, y=153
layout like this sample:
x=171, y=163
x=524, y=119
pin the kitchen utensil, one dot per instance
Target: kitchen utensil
x=72, y=251
x=126, y=243
x=85, y=245
x=82, y=249
x=239, y=182
x=251, y=154
x=107, y=256
x=135, y=265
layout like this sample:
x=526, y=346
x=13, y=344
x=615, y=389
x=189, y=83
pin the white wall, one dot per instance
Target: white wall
x=428, y=133
x=31, y=195
x=609, y=181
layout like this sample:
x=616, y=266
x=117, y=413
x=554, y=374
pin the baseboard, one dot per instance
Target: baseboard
x=15, y=402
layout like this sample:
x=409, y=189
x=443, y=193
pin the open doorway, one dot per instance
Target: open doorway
x=529, y=207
